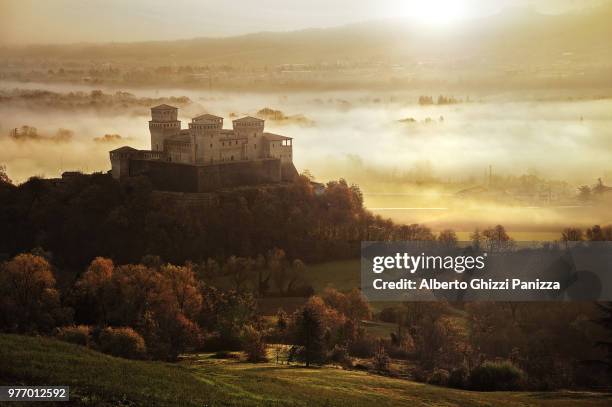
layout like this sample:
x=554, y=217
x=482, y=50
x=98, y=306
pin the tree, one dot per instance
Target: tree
x=497, y=239
x=278, y=269
x=572, y=235
x=281, y=320
x=263, y=284
x=4, y=178
x=605, y=321
x=29, y=301
x=477, y=238
x=185, y=288
x=309, y=334
x=296, y=274
x=599, y=234
x=95, y=287
x=253, y=344
x=380, y=360
x=448, y=238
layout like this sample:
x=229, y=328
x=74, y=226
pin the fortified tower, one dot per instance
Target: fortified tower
x=163, y=124
x=205, y=133
x=251, y=129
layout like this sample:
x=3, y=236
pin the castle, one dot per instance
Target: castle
x=206, y=157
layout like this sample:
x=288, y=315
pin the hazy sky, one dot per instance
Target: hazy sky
x=62, y=21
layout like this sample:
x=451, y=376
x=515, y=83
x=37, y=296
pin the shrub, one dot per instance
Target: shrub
x=339, y=355
x=254, y=345
x=362, y=347
x=439, y=377
x=79, y=335
x=123, y=342
x=458, y=378
x=491, y=376
x=381, y=360
x=223, y=354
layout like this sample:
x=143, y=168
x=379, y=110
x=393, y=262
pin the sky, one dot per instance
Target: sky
x=69, y=21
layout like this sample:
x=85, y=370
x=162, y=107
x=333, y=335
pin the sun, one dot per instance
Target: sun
x=435, y=12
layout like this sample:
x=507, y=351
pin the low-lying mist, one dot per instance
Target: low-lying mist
x=418, y=156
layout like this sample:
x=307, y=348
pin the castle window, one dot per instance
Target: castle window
x=211, y=146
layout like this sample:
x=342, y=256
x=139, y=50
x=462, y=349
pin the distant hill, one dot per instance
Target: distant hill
x=102, y=380
x=513, y=36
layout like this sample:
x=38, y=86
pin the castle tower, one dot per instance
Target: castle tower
x=205, y=133
x=163, y=124
x=251, y=129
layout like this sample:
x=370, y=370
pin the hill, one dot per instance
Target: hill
x=513, y=35
x=97, y=379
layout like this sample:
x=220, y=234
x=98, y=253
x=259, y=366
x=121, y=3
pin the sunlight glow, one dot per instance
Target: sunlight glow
x=435, y=12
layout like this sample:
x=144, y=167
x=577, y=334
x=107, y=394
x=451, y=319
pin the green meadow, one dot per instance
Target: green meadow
x=200, y=380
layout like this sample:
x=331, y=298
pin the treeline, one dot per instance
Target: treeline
x=158, y=311
x=95, y=100
x=503, y=345
x=442, y=100
x=133, y=310
x=153, y=310
x=86, y=216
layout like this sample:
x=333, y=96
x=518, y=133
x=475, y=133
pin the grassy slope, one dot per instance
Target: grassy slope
x=97, y=379
x=342, y=275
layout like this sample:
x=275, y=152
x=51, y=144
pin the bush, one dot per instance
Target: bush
x=491, y=376
x=362, y=347
x=79, y=335
x=458, y=378
x=439, y=377
x=254, y=345
x=339, y=355
x=223, y=354
x=123, y=342
x=380, y=360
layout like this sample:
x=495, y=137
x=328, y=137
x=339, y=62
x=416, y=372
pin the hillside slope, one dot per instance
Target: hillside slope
x=97, y=379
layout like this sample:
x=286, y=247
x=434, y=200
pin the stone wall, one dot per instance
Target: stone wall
x=177, y=177
x=227, y=175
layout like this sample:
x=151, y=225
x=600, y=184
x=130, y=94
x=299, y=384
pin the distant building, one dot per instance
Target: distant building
x=205, y=156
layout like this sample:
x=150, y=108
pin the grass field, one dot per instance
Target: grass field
x=97, y=379
x=342, y=275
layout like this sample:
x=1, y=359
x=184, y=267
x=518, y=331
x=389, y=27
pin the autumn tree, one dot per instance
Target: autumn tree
x=184, y=286
x=477, y=239
x=29, y=301
x=95, y=289
x=254, y=344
